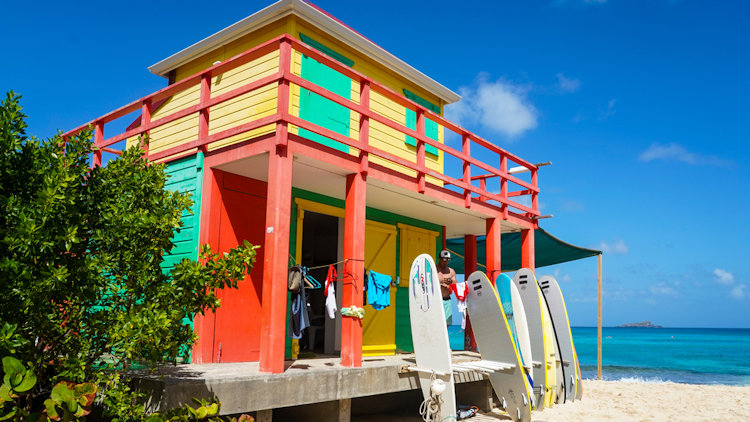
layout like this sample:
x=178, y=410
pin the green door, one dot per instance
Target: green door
x=322, y=111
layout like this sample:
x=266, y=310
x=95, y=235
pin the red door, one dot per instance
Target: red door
x=236, y=336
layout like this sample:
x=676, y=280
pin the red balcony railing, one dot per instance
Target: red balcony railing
x=510, y=193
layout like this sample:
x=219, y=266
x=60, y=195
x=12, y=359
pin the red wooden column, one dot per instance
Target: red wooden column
x=470, y=265
x=276, y=242
x=354, y=266
x=527, y=249
x=275, y=260
x=210, y=216
x=493, y=248
x=98, y=138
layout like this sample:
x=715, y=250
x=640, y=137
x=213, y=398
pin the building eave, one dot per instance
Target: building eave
x=336, y=28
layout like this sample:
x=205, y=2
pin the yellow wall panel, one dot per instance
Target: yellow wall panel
x=170, y=135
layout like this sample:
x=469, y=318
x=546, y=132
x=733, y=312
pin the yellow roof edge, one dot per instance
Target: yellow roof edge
x=284, y=8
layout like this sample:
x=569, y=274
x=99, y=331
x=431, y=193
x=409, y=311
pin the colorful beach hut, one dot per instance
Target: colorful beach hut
x=298, y=134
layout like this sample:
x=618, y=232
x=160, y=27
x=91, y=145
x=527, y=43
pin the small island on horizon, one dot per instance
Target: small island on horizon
x=642, y=324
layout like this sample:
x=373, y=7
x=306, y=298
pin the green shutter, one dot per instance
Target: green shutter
x=430, y=130
x=430, y=127
x=185, y=175
x=319, y=110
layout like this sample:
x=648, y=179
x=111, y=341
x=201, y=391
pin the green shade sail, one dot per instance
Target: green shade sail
x=549, y=250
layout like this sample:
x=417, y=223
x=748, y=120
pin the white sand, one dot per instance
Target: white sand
x=615, y=401
x=633, y=401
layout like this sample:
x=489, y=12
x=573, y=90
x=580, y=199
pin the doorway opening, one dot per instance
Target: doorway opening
x=321, y=246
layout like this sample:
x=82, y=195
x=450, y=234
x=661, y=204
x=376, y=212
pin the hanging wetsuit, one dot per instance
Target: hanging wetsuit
x=299, y=318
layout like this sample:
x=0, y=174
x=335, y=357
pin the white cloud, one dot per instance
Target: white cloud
x=618, y=247
x=738, y=291
x=566, y=85
x=610, y=110
x=723, y=277
x=573, y=206
x=664, y=289
x=500, y=106
x=562, y=277
x=676, y=152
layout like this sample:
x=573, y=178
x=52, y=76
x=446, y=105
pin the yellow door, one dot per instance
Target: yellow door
x=379, y=327
x=414, y=242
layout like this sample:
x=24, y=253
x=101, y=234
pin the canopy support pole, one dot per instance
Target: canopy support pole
x=527, y=249
x=599, y=320
x=494, y=241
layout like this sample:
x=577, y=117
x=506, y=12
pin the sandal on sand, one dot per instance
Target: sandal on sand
x=466, y=412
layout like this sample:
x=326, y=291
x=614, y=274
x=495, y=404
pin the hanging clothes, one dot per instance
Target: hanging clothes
x=299, y=318
x=330, y=292
x=460, y=290
x=379, y=290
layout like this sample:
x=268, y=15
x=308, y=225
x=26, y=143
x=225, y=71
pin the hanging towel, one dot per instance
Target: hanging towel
x=330, y=292
x=299, y=318
x=379, y=290
x=353, y=311
x=460, y=290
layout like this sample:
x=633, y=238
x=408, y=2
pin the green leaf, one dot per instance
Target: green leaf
x=201, y=412
x=5, y=393
x=8, y=415
x=13, y=369
x=63, y=394
x=28, y=382
x=51, y=406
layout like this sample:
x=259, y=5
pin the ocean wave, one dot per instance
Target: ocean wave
x=639, y=380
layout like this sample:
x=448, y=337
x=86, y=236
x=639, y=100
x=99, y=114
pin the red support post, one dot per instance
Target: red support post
x=145, y=120
x=203, y=116
x=527, y=249
x=364, y=126
x=210, y=219
x=504, y=183
x=98, y=138
x=470, y=265
x=275, y=260
x=534, y=195
x=466, y=149
x=285, y=60
x=354, y=266
x=420, y=152
x=493, y=248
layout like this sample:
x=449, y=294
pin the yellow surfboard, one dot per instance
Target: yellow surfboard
x=556, y=304
x=542, y=348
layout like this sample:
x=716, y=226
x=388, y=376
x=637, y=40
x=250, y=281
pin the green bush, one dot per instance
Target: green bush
x=82, y=294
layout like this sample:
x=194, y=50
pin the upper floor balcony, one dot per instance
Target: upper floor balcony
x=418, y=163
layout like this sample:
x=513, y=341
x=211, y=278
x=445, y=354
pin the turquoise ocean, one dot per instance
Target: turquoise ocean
x=682, y=355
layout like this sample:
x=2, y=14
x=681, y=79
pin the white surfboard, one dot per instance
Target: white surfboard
x=429, y=334
x=495, y=344
x=544, y=369
x=556, y=303
x=515, y=314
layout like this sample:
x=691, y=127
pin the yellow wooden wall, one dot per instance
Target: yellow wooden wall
x=262, y=103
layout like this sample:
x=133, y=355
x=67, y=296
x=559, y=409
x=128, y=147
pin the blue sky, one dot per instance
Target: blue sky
x=640, y=105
